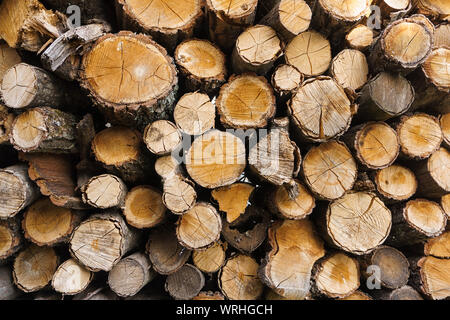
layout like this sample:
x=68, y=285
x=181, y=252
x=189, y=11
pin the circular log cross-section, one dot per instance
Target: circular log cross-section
x=246, y=101
x=179, y=194
x=256, y=50
x=358, y=222
x=131, y=76
x=34, y=268
x=216, y=159
x=202, y=65
x=285, y=80
x=329, y=170
x=432, y=174
x=360, y=37
x=321, y=110
x=185, y=283
x=438, y=247
x=144, y=207
x=440, y=36
x=162, y=137
x=211, y=259
x=104, y=191
x=10, y=238
x=350, y=69
x=419, y=135
x=194, y=113
x=436, y=67
x=396, y=182
x=200, y=227
x=341, y=12
x=71, y=278
x=309, y=52
x=433, y=277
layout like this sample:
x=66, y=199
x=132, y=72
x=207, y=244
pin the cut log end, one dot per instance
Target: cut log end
x=210, y=260
x=104, y=191
x=185, y=283
x=179, y=194
x=286, y=79
x=350, y=69
x=396, y=182
x=360, y=37
x=441, y=36
x=425, y=216
x=349, y=10
x=404, y=293
x=71, y=278
x=297, y=207
x=434, y=182
x=233, y=199
x=356, y=296
x=10, y=238
x=144, y=207
x=444, y=121
x=434, y=277
x=8, y=58
x=438, y=247
x=162, y=137
x=194, y=113
x=436, y=68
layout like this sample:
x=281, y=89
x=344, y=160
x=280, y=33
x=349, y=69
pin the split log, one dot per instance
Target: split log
x=430, y=276
x=329, y=170
x=28, y=25
x=288, y=18
x=432, y=174
x=185, y=283
x=438, y=10
x=395, y=183
x=419, y=135
x=238, y=278
x=17, y=191
x=248, y=232
x=199, y=227
x=8, y=58
x=256, y=50
x=34, y=268
x=350, y=69
x=162, y=137
x=359, y=37
x=104, y=191
x=11, y=239
x=144, y=207
x=315, y=47
x=202, y=66
x=287, y=267
x=335, y=276
x=416, y=221
x=166, y=254
x=227, y=20
x=246, y=101
x=216, y=159
x=403, y=46
x=46, y=224
x=404, y=293
x=121, y=151
x=212, y=259
x=357, y=223
x=71, y=278
x=6, y=122
x=194, y=114
x=44, y=130
x=321, y=110
x=357, y=295
x=102, y=240
x=139, y=93
x=130, y=275
x=385, y=96
x=208, y=295
x=392, y=265
x=233, y=199
x=444, y=121
x=167, y=22
x=440, y=36
x=286, y=79
x=8, y=290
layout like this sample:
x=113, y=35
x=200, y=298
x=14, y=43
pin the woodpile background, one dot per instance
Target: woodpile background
x=348, y=187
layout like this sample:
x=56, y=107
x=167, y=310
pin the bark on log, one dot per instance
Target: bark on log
x=11, y=239
x=162, y=137
x=350, y=69
x=438, y=247
x=286, y=79
x=359, y=37
x=404, y=293
x=96, y=292
x=430, y=276
x=71, y=278
x=212, y=259
x=104, y=191
x=444, y=122
x=392, y=10
x=186, y=283
x=233, y=199
x=395, y=183
x=6, y=122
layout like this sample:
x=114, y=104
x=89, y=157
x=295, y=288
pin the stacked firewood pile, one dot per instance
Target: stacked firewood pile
x=224, y=149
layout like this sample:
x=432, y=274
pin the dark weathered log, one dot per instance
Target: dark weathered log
x=186, y=283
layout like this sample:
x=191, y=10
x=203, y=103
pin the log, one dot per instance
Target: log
x=144, y=207
x=438, y=247
x=436, y=9
x=71, y=278
x=350, y=69
x=246, y=101
x=216, y=159
x=212, y=259
x=385, y=96
x=356, y=223
x=419, y=135
x=445, y=204
x=440, y=36
x=227, y=20
x=100, y=241
x=96, y=292
x=186, y=283
x=17, y=191
x=141, y=92
x=202, y=66
x=335, y=276
x=180, y=19
x=47, y=225
x=233, y=199
x=256, y=50
x=199, y=227
x=11, y=240
x=288, y=18
x=121, y=151
x=393, y=267
x=9, y=57
x=329, y=170
x=28, y=25
x=8, y=290
x=359, y=37
x=166, y=254
x=287, y=267
x=162, y=137
x=104, y=191
x=194, y=114
x=430, y=276
x=393, y=9
x=209, y=295
x=44, y=130
x=34, y=268
x=434, y=182
x=131, y=274
x=444, y=122
x=395, y=183
x=320, y=110
x=404, y=293
x=416, y=221
x=315, y=47
x=286, y=79
x=357, y=295
x=238, y=278
x=90, y=10
x=6, y=121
